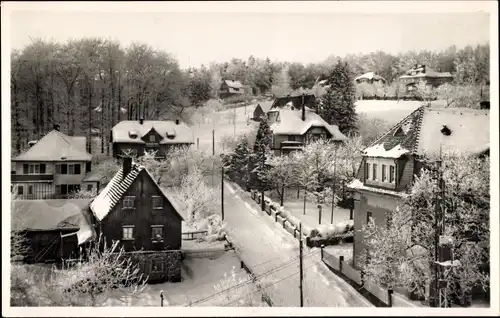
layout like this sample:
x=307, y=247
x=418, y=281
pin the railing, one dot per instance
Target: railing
x=380, y=296
x=42, y=196
x=31, y=177
x=190, y=235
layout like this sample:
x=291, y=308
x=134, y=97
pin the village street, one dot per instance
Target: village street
x=273, y=253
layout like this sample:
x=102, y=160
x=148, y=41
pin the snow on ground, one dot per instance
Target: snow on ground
x=390, y=110
x=311, y=218
x=272, y=254
x=343, y=249
x=199, y=275
x=224, y=126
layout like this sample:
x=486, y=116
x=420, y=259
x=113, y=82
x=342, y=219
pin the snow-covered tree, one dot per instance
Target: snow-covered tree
x=467, y=96
x=243, y=293
x=105, y=273
x=402, y=252
x=200, y=202
x=280, y=174
x=238, y=162
x=426, y=92
x=337, y=105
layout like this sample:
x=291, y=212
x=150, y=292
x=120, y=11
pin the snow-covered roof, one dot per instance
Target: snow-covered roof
x=233, y=84
x=291, y=123
x=183, y=134
x=109, y=197
x=56, y=146
x=379, y=151
x=420, y=133
x=356, y=184
x=47, y=214
x=370, y=76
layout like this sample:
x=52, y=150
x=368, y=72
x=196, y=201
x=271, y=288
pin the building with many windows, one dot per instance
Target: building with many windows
x=53, y=167
x=390, y=164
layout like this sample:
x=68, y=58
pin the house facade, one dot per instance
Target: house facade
x=422, y=73
x=133, y=137
x=53, y=167
x=391, y=163
x=134, y=210
x=292, y=128
x=230, y=88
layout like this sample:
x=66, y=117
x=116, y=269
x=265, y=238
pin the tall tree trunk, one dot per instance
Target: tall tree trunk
x=90, y=117
x=102, y=121
x=119, y=98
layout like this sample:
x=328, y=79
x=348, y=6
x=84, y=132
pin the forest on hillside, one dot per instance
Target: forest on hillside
x=89, y=85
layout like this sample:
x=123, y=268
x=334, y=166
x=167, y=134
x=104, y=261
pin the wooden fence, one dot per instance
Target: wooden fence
x=379, y=296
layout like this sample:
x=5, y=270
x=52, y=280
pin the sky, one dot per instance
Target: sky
x=196, y=38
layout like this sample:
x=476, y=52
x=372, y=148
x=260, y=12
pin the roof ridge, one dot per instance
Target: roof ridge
x=399, y=124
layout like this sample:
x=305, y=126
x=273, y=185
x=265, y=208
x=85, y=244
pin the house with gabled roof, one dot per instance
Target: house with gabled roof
x=53, y=229
x=370, y=78
x=230, y=88
x=390, y=164
x=293, y=127
x=52, y=167
x=134, y=210
x=423, y=73
x=134, y=137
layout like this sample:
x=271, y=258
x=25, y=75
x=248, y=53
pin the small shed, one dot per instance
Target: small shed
x=48, y=227
x=261, y=111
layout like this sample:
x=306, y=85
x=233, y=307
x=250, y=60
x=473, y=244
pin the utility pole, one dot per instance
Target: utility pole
x=234, y=121
x=222, y=190
x=334, y=180
x=213, y=156
x=301, y=267
x=262, y=203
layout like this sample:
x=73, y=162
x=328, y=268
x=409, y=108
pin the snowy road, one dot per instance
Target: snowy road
x=272, y=254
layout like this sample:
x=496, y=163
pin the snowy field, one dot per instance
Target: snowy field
x=390, y=110
x=199, y=275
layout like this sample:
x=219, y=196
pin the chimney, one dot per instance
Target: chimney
x=127, y=166
x=141, y=120
x=303, y=109
x=56, y=127
x=177, y=122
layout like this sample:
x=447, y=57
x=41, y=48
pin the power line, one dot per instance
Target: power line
x=251, y=280
x=274, y=283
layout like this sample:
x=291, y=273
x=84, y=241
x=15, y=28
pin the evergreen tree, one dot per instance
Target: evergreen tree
x=337, y=105
x=264, y=137
x=262, y=148
x=238, y=168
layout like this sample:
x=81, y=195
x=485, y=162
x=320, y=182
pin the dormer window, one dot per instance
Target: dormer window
x=445, y=130
x=152, y=138
x=399, y=132
x=170, y=134
x=133, y=134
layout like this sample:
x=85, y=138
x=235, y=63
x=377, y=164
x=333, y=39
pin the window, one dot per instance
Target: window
x=157, y=202
x=368, y=217
x=157, y=265
x=128, y=232
x=30, y=190
x=58, y=189
x=34, y=168
x=374, y=172
x=65, y=168
x=128, y=202
x=384, y=173
x=20, y=190
x=392, y=171
x=368, y=171
x=88, y=167
x=89, y=187
x=157, y=232
x=291, y=138
x=152, y=138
